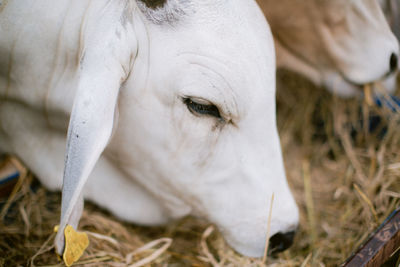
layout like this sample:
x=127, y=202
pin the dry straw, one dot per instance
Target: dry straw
x=345, y=178
x=264, y=260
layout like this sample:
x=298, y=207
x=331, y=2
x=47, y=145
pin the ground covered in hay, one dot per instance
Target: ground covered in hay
x=344, y=172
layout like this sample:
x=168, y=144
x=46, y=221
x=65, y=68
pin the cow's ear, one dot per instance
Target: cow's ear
x=105, y=60
x=90, y=127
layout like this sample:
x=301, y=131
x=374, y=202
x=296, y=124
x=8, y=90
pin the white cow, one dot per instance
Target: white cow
x=340, y=44
x=171, y=110
x=391, y=9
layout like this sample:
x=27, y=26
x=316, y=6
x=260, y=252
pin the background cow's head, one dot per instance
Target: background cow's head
x=336, y=43
x=197, y=125
x=391, y=8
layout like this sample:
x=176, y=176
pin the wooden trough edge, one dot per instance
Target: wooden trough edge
x=380, y=246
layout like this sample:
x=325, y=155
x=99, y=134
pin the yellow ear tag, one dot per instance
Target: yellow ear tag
x=75, y=245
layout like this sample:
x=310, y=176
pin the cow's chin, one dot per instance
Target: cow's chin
x=249, y=243
x=255, y=250
x=250, y=239
x=343, y=87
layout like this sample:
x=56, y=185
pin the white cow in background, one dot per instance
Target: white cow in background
x=391, y=9
x=171, y=110
x=340, y=44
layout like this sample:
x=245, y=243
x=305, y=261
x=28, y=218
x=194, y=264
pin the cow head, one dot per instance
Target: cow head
x=391, y=9
x=337, y=43
x=197, y=124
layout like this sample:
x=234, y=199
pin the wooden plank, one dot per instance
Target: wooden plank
x=380, y=245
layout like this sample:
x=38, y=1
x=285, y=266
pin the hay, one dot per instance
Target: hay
x=344, y=177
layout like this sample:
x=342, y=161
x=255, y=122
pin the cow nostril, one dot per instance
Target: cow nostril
x=393, y=62
x=280, y=242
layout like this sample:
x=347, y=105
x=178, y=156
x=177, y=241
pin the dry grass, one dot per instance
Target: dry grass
x=345, y=179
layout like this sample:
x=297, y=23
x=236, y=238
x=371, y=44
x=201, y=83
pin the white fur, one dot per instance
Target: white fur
x=120, y=79
x=391, y=8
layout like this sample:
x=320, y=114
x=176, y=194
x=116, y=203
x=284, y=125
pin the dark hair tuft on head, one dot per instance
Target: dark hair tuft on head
x=154, y=3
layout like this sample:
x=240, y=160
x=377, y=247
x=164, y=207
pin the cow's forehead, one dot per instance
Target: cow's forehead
x=223, y=54
x=171, y=11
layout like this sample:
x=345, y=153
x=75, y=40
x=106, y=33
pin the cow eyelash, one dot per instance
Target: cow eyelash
x=202, y=109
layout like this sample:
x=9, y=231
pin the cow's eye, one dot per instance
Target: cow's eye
x=202, y=107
